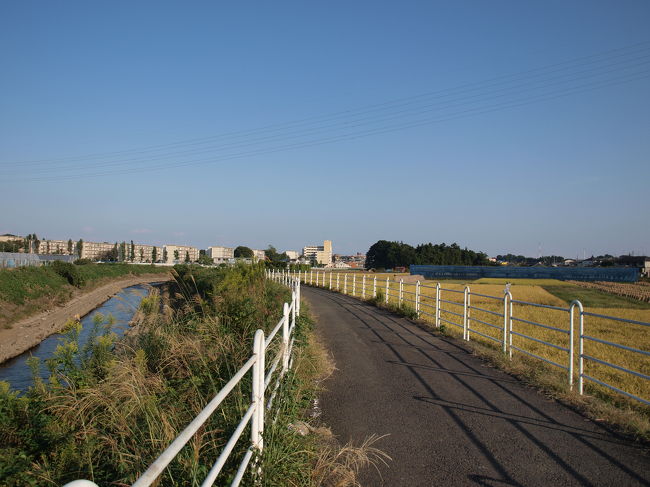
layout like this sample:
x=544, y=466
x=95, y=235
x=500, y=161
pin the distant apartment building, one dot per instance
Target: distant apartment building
x=59, y=247
x=144, y=253
x=258, y=255
x=7, y=237
x=95, y=250
x=220, y=255
x=321, y=254
x=292, y=254
x=182, y=251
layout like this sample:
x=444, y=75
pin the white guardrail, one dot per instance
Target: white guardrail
x=441, y=309
x=262, y=375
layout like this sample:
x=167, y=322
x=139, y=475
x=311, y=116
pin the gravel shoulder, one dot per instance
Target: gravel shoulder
x=30, y=331
x=449, y=418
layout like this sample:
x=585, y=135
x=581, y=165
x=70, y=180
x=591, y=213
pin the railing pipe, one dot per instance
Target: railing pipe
x=507, y=298
x=354, y=284
x=285, y=332
x=257, y=395
x=466, y=318
x=374, y=287
x=438, y=305
x=417, y=298
x=363, y=287
x=387, y=289
x=575, y=304
x=345, y=283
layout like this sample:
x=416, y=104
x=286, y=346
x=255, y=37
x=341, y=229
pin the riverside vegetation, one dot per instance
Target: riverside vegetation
x=111, y=407
x=28, y=290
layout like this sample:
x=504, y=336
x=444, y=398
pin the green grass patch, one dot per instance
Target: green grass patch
x=522, y=282
x=593, y=298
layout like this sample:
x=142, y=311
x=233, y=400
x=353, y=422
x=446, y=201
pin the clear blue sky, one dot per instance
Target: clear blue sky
x=498, y=125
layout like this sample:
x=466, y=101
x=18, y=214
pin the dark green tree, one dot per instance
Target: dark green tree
x=176, y=255
x=80, y=247
x=70, y=246
x=154, y=255
x=165, y=256
x=132, y=251
x=244, y=252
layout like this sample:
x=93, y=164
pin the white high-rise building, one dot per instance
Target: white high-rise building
x=321, y=254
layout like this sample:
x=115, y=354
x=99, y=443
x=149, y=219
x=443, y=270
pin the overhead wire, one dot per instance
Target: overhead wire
x=384, y=112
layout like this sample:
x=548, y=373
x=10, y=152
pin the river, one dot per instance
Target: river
x=121, y=307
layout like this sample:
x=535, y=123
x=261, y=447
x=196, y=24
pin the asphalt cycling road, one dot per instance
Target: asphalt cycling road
x=450, y=419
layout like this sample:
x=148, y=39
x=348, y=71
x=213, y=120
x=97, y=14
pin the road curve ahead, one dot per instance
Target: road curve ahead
x=451, y=419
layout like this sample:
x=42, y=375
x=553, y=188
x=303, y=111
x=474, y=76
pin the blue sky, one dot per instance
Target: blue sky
x=500, y=125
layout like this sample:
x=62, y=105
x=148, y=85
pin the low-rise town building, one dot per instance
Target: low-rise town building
x=220, y=255
x=96, y=250
x=179, y=253
x=319, y=254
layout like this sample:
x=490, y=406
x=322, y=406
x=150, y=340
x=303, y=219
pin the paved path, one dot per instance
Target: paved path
x=452, y=419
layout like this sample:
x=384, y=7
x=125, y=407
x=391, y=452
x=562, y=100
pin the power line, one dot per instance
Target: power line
x=388, y=105
x=461, y=114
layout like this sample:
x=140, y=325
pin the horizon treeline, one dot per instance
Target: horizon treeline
x=387, y=255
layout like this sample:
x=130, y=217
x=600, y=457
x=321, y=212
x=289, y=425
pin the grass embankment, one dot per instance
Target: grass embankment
x=29, y=290
x=626, y=413
x=109, y=409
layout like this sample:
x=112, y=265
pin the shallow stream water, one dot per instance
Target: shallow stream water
x=121, y=307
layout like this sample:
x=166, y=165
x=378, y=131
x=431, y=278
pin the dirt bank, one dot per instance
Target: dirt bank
x=29, y=332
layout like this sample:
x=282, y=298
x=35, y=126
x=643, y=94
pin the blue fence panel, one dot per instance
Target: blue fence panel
x=615, y=274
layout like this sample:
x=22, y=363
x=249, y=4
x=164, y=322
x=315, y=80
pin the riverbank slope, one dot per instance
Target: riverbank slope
x=30, y=331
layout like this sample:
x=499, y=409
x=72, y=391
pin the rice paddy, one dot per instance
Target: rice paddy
x=537, y=325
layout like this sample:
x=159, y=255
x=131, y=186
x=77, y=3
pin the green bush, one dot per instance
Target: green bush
x=69, y=272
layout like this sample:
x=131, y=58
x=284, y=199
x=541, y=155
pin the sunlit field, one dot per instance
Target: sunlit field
x=531, y=325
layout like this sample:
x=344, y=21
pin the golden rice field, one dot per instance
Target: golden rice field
x=486, y=324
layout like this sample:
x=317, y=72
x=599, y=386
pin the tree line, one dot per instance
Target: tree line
x=387, y=255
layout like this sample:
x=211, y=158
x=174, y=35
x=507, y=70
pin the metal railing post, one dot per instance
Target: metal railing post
x=437, y=305
x=400, y=292
x=257, y=426
x=330, y=280
x=510, y=327
x=417, y=298
x=466, y=318
x=311, y=277
x=363, y=287
x=387, y=288
x=338, y=287
x=354, y=284
x=581, y=360
x=374, y=287
x=285, y=332
x=345, y=283
x=506, y=298
x=575, y=304
x=298, y=298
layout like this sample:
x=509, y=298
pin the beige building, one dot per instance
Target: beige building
x=258, y=255
x=95, y=250
x=292, y=254
x=321, y=254
x=7, y=237
x=59, y=247
x=183, y=250
x=144, y=253
x=220, y=255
